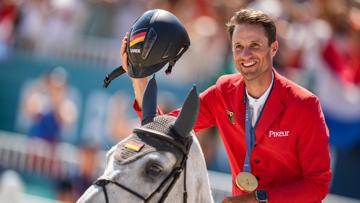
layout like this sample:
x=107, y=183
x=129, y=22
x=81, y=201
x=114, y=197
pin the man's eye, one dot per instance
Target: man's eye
x=254, y=46
x=238, y=47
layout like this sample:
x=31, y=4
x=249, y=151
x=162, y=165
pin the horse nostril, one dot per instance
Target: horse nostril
x=102, y=182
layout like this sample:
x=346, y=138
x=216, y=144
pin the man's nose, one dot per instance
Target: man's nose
x=245, y=53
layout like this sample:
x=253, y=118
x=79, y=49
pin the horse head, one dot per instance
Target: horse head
x=151, y=164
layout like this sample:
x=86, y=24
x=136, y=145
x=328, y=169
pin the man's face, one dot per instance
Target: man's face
x=251, y=51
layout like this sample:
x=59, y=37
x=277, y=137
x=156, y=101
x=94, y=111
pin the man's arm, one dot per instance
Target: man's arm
x=205, y=119
x=139, y=84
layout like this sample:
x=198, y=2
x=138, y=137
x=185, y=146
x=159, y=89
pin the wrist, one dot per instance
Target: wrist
x=140, y=82
x=261, y=196
x=139, y=85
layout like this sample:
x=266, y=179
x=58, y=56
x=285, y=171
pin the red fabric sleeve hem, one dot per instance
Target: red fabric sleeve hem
x=137, y=109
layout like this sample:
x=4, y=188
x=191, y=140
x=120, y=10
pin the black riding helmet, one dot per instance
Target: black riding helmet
x=156, y=38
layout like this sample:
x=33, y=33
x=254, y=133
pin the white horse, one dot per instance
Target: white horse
x=160, y=162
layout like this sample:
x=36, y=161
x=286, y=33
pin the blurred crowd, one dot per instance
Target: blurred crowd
x=319, y=49
x=46, y=25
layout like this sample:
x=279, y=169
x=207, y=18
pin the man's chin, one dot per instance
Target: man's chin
x=249, y=75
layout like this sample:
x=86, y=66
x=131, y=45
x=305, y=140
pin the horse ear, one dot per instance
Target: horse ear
x=149, y=103
x=189, y=113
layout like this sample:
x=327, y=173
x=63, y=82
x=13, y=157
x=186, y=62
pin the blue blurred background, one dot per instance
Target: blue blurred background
x=57, y=122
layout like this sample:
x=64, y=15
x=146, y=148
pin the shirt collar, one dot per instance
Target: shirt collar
x=261, y=100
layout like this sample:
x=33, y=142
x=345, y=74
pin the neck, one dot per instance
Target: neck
x=257, y=87
x=196, y=164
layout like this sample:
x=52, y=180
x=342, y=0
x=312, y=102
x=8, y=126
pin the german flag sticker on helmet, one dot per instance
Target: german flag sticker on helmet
x=137, y=38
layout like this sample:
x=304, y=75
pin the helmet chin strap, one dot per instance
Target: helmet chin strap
x=120, y=70
x=172, y=62
x=114, y=74
x=169, y=68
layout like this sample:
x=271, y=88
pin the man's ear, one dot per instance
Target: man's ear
x=274, y=47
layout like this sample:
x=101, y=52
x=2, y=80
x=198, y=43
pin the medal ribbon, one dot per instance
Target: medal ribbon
x=250, y=130
x=250, y=136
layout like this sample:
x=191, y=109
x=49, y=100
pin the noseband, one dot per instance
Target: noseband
x=182, y=144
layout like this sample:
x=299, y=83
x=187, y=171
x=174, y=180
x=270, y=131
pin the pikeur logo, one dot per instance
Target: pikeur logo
x=279, y=133
x=135, y=51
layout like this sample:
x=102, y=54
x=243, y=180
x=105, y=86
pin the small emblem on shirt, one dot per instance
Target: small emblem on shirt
x=230, y=116
x=279, y=133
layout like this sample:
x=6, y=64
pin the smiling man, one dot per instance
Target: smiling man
x=273, y=130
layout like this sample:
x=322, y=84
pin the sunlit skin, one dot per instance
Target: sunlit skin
x=253, y=57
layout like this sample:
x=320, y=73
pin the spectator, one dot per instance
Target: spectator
x=48, y=107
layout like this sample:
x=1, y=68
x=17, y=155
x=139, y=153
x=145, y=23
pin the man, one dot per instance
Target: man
x=284, y=140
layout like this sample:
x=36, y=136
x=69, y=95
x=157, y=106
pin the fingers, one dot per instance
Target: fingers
x=245, y=198
x=124, y=43
x=123, y=53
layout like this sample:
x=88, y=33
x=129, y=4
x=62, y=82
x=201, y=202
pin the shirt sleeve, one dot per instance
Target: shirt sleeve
x=138, y=111
x=205, y=118
x=314, y=158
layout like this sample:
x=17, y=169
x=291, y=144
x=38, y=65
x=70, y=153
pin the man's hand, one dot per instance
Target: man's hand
x=123, y=53
x=139, y=84
x=246, y=198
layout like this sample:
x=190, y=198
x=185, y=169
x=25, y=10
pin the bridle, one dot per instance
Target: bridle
x=182, y=144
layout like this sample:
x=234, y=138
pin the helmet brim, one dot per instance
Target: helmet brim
x=145, y=72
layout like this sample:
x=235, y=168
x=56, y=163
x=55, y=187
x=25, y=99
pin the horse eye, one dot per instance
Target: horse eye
x=153, y=169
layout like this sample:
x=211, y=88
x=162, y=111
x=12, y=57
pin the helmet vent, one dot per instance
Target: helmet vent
x=149, y=43
x=182, y=48
x=167, y=51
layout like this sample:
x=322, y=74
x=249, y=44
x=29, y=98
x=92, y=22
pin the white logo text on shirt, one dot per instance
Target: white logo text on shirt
x=279, y=133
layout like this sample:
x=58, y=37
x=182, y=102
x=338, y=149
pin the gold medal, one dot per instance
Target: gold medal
x=247, y=182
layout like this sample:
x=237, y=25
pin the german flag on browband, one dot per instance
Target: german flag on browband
x=140, y=37
x=134, y=146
